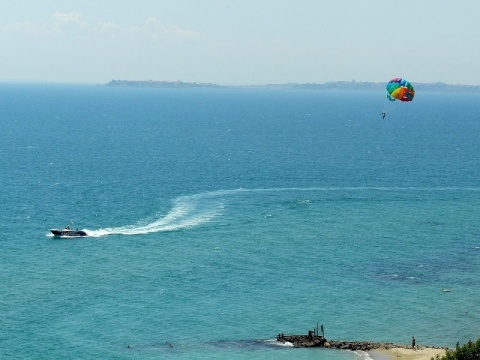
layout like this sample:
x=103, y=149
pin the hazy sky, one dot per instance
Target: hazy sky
x=240, y=41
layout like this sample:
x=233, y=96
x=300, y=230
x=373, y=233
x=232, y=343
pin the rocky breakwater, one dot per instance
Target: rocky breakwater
x=311, y=340
x=360, y=345
x=368, y=345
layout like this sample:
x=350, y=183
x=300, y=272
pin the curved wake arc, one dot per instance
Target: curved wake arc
x=195, y=210
x=187, y=212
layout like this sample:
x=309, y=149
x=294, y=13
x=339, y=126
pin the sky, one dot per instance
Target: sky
x=240, y=42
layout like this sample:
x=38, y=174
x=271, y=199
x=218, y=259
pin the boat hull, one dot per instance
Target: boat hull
x=68, y=233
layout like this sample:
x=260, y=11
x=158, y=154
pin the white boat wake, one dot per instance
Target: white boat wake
x=195, y=210
x=187, y=212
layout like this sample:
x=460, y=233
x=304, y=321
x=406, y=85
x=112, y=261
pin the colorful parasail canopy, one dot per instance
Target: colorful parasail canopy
x=400, y=89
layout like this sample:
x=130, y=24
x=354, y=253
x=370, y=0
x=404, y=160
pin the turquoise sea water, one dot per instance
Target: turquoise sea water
x=220, y=218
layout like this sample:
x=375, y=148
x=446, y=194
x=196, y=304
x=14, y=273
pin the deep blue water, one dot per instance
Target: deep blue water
x=220, y=218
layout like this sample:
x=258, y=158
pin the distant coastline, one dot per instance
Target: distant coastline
x=331, y=85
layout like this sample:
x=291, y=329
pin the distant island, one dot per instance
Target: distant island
x=331, y=85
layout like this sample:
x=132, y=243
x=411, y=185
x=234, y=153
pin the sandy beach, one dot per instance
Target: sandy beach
x=398, y=353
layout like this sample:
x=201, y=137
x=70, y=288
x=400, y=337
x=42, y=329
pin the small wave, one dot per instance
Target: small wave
x=274, y=342
x=362, y=355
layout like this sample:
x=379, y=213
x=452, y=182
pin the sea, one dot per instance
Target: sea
x=220, y=218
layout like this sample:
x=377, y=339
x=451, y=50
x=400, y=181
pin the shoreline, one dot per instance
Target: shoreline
x=330, y=85
x=399, y=353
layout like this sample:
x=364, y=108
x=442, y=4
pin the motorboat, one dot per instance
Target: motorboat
x=67, y=232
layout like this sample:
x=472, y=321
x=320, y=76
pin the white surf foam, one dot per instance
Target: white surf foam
x=362, y=355
x=274, y=342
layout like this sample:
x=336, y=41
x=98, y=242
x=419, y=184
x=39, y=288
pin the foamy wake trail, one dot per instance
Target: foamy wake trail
x=187, y=212
x=198, y=209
